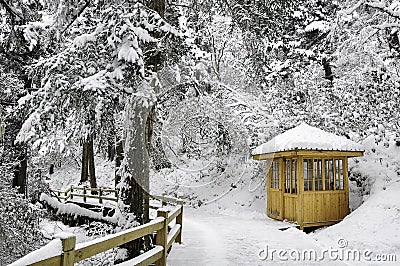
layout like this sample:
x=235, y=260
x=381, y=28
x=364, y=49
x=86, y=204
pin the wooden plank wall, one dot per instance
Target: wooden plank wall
x=324, y=206
x=290, y=207
x=307, y=207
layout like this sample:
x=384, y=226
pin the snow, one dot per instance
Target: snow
x=375, y=225
x=305, y=137
x=231, y=227
x=94, y=82
x=322, y=26
x=173, y=231
x=64, y=235
x=127, y=52
x=55, y=229
x=73, y=209
x=297, y=14
x=83, y=39
x=69, y=174
x=28, y=127
x=215, y=239
x=52, y=249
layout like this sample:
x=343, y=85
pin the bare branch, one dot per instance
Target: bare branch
x=181, y=5
x=87, y=3
x=387, y=25
x=11, y=10
x=382, y=7
x=352, y=9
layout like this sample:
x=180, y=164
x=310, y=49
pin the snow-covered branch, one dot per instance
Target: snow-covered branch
x=384, y=8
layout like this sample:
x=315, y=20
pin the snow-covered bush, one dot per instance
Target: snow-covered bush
x=19, y=222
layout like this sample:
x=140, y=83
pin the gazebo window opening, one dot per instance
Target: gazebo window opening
x=317, y=174
x=290, y=176
x=308, y=175
x=275, y=175
x=294, y=177
x=287, y=176
x=329, y=175
x=339, y=174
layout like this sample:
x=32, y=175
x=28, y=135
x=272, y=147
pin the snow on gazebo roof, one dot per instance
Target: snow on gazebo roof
x=306, y=137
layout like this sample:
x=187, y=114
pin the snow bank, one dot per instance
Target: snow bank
x=305, y=137
x=238, y=191
x=73, y=209
x=375, y=225
x=322, y=26
x=52, y=249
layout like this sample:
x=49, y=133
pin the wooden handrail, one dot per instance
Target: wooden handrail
x=50, y=261
x=69, y=194
x=173, y=234
x=73, y=253
x=167, y=199
x=89, y=249
x=174, y=213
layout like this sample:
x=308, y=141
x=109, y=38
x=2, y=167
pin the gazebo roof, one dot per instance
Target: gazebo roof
x=306, y=137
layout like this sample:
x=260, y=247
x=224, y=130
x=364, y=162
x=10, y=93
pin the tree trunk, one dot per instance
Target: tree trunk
x=111, y=145
x=139, y=126
x=111, y=151
x=119, y=156
x=20, y=172
x=84, y=172
x=135, y=194
x=157, y=5
x=92, y=172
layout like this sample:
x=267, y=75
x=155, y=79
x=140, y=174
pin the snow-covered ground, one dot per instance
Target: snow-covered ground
x=215, y=239
x=368, y=236
x=374, y=226
x=225, y=221
x=230, y=226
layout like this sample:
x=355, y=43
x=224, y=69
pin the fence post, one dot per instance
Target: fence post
x=68, y=246
x=84, y=194
x=163, y=201
x=72, y=190
x=179, y=220
x=100, y=194
x=162, y=237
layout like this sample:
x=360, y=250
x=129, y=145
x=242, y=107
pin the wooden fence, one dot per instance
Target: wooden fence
x=72, y=252
x=99, y=193
x=103, y=194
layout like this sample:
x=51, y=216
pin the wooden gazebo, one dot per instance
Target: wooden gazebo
x=307, y=177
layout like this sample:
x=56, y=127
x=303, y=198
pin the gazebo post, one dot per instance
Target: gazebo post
x=300, y=180
x=346, y=181
x=281, y=187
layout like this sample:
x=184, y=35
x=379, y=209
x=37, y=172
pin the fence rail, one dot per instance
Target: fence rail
x=100, y=194
x=72, y=252
x=69, y=194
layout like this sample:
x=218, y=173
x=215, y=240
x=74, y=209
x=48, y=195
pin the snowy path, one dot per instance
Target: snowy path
x=212, y=239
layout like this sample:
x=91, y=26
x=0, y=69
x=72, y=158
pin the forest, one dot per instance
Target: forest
x=170, y=97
